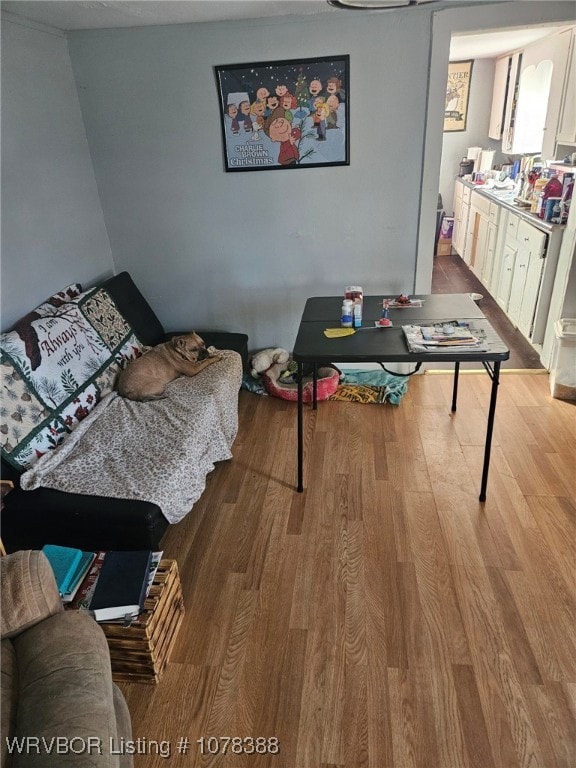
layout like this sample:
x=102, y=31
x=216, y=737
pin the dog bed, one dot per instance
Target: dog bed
x=326, y=385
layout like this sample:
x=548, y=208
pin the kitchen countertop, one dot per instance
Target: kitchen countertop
x=505, y=199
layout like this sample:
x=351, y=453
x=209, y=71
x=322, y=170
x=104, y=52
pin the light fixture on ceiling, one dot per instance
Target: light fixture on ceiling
x=374, y=5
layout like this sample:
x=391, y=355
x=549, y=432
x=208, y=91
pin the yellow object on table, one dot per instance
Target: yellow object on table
x=336, y=333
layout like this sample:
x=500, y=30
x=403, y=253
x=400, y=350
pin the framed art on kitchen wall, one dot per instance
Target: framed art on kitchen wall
x=457, y=93
x=285, y=114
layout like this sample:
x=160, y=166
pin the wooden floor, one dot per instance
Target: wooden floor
x=384, y=617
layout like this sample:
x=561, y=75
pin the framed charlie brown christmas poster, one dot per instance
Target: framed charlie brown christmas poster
x=285, y=114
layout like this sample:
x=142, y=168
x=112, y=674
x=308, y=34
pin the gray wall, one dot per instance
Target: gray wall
x=53, y=230
x=244, y=250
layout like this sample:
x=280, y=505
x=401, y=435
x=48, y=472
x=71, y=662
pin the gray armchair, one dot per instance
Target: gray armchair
x=59, y=705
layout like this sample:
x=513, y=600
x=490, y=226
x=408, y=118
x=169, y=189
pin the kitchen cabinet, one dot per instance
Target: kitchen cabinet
x=499, y=96
x=462, y=195
x=513, y=254
x=526, y=276
x=521, y=271
x=567, y=120
x=504, y=286
x=511, y=99
x=478, y=229
x=493, y=241
x=560, y=58
x=527, y=311
x=471, y=235
x=529, y=90
x=540, y=86
x=478, y=255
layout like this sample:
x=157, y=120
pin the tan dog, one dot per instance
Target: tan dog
x=146, y=377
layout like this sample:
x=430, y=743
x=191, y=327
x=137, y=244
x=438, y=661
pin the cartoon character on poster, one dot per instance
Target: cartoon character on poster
x=279, y=129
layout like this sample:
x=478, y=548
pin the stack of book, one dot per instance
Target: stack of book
x=122, y=584
x=70, y=566
x=115, y=584
x=443, y=337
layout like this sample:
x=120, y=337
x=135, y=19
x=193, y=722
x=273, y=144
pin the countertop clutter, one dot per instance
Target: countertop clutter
x=538, y=193
x=507, y=199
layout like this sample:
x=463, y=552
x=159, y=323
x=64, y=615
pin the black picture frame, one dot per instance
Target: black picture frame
x=285, y=114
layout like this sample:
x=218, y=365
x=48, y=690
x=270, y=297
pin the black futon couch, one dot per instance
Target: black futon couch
x=31, y=519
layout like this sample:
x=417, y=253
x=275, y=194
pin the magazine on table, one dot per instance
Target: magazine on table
x=444, y=337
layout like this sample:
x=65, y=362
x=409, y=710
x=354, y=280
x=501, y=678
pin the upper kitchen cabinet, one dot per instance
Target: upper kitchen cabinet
x=540, y=95
x=567, y=121
x=505, y=86
x=529, y=89
x=505, y=99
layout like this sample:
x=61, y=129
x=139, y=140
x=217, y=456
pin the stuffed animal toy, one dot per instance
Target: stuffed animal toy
x=265, y=359
x=277, y=371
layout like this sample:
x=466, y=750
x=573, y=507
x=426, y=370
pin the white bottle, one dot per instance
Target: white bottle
x=346, y=318
x=357, y=314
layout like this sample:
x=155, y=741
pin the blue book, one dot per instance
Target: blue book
x=81, y=570
x=64, y=562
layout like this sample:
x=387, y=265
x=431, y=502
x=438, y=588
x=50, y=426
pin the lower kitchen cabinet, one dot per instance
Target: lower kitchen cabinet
x=491, y=248
x=527, y=311
x=521, y=277
x=514, y=256
x=462, y=195
x=482, y=240
x=524, y=288
x=504, y=282
x=477, y=232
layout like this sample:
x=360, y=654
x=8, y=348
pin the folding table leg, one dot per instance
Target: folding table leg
x=300, y=486
x=315, y=387
x=495, y=376
x=455, y=386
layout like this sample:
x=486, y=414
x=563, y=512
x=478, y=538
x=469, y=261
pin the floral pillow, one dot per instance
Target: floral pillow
x=56, y=364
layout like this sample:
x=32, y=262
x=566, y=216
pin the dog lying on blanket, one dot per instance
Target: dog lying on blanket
x=146, y=377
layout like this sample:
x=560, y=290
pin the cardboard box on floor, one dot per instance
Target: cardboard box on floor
x=444, y=247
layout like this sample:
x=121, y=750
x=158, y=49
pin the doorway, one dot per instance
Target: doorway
x=449, y=273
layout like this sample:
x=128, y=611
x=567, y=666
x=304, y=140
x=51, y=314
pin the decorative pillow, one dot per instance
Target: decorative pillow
x=66, y=294
x=56, y=364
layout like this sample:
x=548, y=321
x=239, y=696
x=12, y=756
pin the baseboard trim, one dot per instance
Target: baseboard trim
x=507, y=371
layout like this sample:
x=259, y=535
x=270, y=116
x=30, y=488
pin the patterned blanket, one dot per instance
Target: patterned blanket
x=158, y=451
x=56, y=365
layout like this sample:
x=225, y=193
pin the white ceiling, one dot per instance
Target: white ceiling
x=491, y=44
x=100, y=14
x=94, y=14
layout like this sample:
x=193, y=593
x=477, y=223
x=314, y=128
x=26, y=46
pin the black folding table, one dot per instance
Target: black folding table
x=388, y=345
